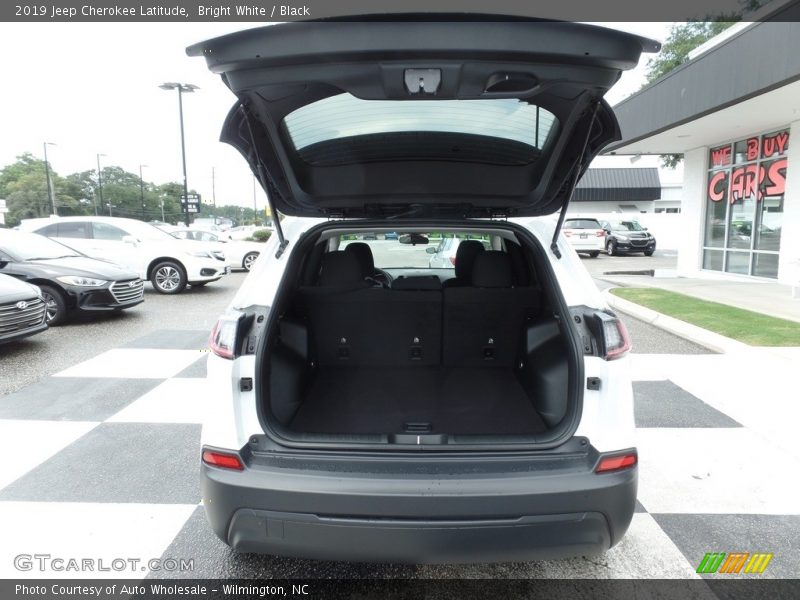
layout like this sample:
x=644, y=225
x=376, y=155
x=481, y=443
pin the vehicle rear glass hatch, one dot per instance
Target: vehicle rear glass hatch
x=441, y=117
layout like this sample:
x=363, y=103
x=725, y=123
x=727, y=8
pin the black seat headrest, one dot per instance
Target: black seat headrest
x=340, y=268
x=465, y=257
x=363, y=253
x=492, y=270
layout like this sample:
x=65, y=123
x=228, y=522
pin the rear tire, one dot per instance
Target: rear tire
x=168, y=278
x=594, y=254
x=611, y=248
x=248, y=260
x=56, y=305
x=649, y=252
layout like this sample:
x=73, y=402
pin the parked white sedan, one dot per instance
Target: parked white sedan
x=239, y=254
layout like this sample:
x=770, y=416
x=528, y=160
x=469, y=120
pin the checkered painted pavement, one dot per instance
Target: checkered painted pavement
x=101, y=461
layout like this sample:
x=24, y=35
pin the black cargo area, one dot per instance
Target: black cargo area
x=456, y=401
x=479, y=354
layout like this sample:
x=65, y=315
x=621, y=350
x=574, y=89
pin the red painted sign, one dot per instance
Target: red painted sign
x=774, y=144
x=721, y=156
x=759, y=180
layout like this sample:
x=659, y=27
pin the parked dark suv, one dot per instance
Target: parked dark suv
x=628, y=236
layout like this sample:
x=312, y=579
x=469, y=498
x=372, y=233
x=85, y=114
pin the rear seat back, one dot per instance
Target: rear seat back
x=484, y=324
x=371, y=326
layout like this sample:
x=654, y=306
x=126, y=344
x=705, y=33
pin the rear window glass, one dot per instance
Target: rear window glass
x=626, y=226
x=345, y=116
x=582, y=224
x=395, y=251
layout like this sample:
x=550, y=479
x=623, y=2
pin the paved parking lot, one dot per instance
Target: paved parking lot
x=108, y=411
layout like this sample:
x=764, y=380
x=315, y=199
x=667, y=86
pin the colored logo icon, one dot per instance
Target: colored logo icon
x=734, y=563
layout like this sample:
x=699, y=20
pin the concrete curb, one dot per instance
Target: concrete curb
x=693, y=333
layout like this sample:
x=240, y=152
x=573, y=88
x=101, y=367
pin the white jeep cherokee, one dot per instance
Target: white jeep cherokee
x=369, y=407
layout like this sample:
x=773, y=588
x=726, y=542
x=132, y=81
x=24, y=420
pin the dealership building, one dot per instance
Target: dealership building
x=733, y=111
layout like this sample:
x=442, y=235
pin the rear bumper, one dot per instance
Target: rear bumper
x=495, y=517
x=591, y=244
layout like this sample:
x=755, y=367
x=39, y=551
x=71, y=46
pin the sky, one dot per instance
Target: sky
x=92, y=88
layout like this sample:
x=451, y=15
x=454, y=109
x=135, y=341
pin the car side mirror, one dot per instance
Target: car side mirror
x=430, y=250
x=129, y=239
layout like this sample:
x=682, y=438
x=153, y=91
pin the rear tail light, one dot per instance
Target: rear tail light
x=223, y=460
x=611, y=334
x=619, y=462
x=616, y=339
x=567, y=233
x=453, y=260
x=600, y=233
x=224, y=335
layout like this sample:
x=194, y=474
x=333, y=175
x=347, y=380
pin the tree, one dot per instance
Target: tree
x=683, y=38
x=24, y=185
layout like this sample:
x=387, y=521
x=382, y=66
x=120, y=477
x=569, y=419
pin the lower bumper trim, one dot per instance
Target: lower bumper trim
x=419, y=541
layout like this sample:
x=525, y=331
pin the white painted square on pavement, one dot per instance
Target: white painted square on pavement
x=134, y=363
x=177, y=400
x=715, y=471
x=649, y=367
x=27, y=444
x=80, y=531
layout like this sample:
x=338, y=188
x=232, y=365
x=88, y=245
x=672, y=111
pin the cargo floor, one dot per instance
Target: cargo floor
x=382, y=400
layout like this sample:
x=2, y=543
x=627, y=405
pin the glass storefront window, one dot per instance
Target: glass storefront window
x=765, y=265
x=717, y=207
x=712, y=259
x=738, y=262
x=740, y=226
x=744, y=205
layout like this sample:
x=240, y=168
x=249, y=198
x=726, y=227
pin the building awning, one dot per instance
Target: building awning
x=619, y=185
x=747, y=83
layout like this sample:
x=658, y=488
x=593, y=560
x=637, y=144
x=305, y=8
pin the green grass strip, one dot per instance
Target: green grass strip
x=746, y=326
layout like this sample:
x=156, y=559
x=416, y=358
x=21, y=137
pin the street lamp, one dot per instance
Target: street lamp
x=100, y=187
x=47, y=176
x=188, y=88
x=141, y=189
x=213, y=190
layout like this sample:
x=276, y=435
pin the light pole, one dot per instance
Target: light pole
x=47, y=176
x=141, y=189
x=213, y=190
x=100, y=187
x=188, y=88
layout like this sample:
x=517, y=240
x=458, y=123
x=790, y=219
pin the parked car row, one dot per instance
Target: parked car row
x=169, y=264
x=619, y=236
x=53, y=267
x=66, y=279
x=238, y=253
